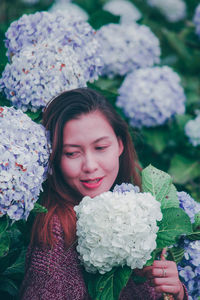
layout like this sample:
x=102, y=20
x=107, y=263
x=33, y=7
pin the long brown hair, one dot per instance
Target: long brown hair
x=59, y=198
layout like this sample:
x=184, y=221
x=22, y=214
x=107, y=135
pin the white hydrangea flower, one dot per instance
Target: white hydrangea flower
x=127, y=11
x=173, y=10
x=126, y=47
x=69, y=10
x=192, y=130
x=24, y=154
x=117, y=228
x=39, y=73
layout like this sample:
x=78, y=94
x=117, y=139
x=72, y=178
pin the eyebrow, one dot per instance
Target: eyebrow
x=96, y=141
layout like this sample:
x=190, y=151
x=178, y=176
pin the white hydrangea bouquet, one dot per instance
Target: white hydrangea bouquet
x=125, y=229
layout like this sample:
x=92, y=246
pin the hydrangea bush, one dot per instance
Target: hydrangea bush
x=24, y=154
x=35, y=28
x=39, y=73
x=132, y=46
x=109, y=235
x=192, y=130
x=189, y=267
x=196, y=20
x=125, y=9
x=173, y=10
x=150, y=96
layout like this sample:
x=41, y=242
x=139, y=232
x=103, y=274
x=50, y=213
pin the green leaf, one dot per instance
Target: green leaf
x=4, y=243
x=196, y=224
x=182, y=120
x=39, y=208
x=184, y=169
x=159, y=184
x=7, y=285
x=3, y=224
x=176, y=253
x=35, y=116
x=108, y=286
x=174, y=223
x=102, y=17
x=157, y=138
x=18, y=266
x=194, y=236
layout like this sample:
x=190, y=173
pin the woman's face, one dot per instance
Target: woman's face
x=90, y=156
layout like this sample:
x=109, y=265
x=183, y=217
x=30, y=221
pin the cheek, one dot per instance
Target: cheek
x=70, y=168
x=111, y=162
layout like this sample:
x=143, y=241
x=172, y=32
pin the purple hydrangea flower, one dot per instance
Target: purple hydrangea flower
x=35, y=28
x=126, y=187
x=196, y=20
x=192, y=130
x=190, y=206
x=24, y=154
x=173, y=10
x=189, y=270
x=39, y=73
x=127, y=11
x=127, y=47
x=150, y=96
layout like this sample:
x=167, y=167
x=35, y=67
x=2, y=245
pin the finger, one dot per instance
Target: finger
x=167, y=289
x=160, y=281
x=163, y=254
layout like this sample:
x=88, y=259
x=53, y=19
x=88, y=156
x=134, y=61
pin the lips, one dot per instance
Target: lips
x=92, y=183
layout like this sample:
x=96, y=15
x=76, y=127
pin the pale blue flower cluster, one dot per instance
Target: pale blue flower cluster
x=39, y=73
x=189, y=268
x=173, y=10
x=127, y=47
x=190, y=206
x=192, y=130
x=36, y=74
x=150, y=96
x=24, y=154
x=126, y=187
x=69, y=10
x=127, y=11
x=196, y=20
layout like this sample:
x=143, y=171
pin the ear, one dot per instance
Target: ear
x=121, y=146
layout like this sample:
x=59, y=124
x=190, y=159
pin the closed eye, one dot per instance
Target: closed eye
x=100, y=148
x=71, y=154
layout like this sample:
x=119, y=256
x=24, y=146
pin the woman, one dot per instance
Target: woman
x=91, y=152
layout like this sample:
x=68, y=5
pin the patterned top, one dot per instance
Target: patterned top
x=56, y=274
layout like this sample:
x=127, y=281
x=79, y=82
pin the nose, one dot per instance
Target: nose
x=90, y=163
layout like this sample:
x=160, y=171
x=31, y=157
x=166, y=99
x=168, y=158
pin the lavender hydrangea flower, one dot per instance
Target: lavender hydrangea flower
x=127, y=47
x=69, y=10
x=127, y=11
x=189, y=269
x=150, y=96
x=24, y=153
x=190, y=206
x=35, y=28
x=126, y=187
x=196, y=20
x=173, y=10
x=192, y=130
x=39, y=73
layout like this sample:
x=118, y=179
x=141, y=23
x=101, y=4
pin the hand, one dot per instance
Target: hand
x=163, y=275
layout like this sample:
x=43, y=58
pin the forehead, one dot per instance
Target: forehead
x=93, y=125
